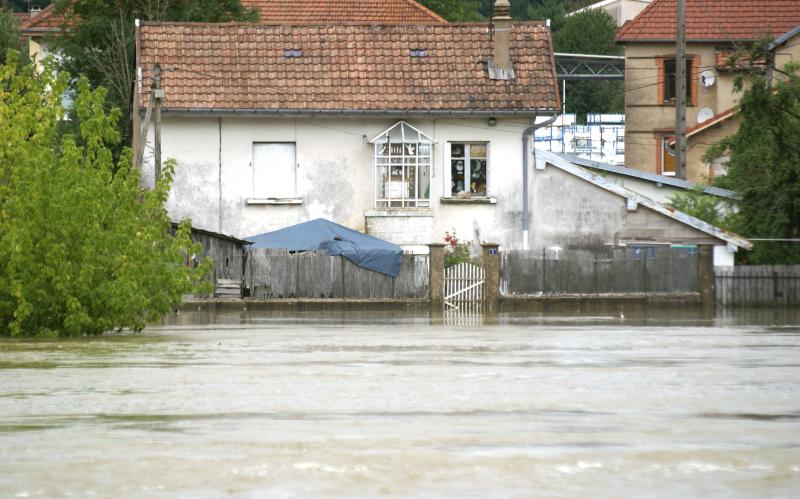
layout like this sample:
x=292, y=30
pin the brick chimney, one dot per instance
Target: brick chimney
x=500, y=67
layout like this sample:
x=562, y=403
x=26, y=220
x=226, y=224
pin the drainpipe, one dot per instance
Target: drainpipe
x=531, y=129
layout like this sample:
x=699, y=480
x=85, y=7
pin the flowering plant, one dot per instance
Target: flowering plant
x=455, y=252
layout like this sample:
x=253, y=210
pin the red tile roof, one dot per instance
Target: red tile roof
x=45, y=21
x=294, y=11
x=352, y=67
x=713, y=20
x=327, y=11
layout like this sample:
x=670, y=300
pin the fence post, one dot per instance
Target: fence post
x=705, y=274
x=491, y=273
x=436, y=274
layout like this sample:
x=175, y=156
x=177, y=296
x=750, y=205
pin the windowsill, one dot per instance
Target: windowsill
x=472, y=200
x=279, y=201
x=672, y=104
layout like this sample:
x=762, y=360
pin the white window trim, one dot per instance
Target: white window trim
x=448, y=175
x=260, y=200
x=418, y=202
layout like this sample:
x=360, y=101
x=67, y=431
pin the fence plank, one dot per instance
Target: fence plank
x=599, y=270
x=762, y=285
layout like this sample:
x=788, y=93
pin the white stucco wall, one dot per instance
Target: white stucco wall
x=213, y=178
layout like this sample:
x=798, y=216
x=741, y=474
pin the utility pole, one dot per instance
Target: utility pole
x=158, y=95
x=680, y=92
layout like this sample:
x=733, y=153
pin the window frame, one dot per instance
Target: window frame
x=256, y=196
x=692, y=65
x=661, y=152
x=383, y=160
x=467, y=167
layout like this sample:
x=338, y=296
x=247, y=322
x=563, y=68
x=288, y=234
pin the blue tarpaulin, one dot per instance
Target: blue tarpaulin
x=320, y=234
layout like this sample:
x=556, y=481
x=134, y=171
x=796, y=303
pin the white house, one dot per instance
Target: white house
x=404, y=131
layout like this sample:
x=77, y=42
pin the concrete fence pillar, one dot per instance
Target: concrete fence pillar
x=491, y=269
x=705, y=274
x=436, y=274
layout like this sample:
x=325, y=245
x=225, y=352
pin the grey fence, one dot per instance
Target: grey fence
x=280, y=274
x=762, y=285
x=602, y=270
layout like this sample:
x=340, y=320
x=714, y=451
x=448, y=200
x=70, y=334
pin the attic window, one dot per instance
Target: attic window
x=292, y=53
x=418, y=52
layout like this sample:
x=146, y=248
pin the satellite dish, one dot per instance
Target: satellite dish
x=707, y=79
x=705, y=114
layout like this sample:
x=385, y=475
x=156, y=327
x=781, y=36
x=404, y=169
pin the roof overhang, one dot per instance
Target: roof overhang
x=522, y=113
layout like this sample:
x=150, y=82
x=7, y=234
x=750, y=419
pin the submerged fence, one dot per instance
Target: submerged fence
x=763, y=285
x=602, y=270
x=280, y=274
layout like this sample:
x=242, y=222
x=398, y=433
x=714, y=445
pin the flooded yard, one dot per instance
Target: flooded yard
x=259, y=404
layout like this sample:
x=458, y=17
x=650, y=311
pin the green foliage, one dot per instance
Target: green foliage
x=764, y=168
x=456, y=252
x=456, y=10
x=9, y=34
x=82, y=249
x=591, y=32
x=706, y=207
x=100, y=41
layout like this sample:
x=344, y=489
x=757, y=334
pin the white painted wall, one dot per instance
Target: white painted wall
x=213, y=179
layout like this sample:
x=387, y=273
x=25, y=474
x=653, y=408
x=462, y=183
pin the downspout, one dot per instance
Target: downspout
x=531, y=129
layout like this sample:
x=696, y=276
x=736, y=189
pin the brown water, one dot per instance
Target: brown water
x=368, y=404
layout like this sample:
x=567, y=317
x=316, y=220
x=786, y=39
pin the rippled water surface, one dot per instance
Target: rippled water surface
x=372, y=404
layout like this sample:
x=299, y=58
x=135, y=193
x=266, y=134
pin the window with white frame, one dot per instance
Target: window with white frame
x=468, y=168
x=402, y=160
x=274, y=170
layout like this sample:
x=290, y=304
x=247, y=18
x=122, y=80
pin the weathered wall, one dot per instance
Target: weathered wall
x=335, y=177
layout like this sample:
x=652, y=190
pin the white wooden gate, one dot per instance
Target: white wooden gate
x=463, y=283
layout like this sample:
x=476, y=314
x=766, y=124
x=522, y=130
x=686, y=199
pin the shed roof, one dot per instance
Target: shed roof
x=346, y=67
x=636, y=198
x=713, y=20
x=327, y=11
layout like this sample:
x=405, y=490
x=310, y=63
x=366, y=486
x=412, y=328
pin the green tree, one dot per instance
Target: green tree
x=591, y=32
x=706, y=207
x=456, y=10
x=764, y=168
x=82, y=249
x=9, y=34
x=98, y=38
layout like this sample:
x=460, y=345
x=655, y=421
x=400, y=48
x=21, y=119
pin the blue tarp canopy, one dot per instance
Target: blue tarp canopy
x=320, y=234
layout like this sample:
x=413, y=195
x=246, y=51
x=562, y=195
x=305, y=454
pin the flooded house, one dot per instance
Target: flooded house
x=404, y=131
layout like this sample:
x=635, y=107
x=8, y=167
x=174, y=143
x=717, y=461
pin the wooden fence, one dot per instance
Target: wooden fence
x=762, y=285
x=280, y=274
x=463, y=283
x=602, y=270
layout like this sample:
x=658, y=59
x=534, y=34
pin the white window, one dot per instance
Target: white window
x=274, y=170
x=402, y=167
x=468, y=169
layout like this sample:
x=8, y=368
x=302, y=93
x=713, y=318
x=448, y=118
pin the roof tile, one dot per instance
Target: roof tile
x=377, y=74
x=713, y=20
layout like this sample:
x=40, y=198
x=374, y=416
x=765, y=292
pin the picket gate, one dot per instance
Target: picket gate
x=463, y=283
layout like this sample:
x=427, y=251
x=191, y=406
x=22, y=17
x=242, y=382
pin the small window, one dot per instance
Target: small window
x=668, y=86
x=274, y=170
x=417, y=52
x=402, y=158
x=468, y=169
x=290, y=53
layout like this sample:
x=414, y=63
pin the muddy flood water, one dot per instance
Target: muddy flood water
x=262, y=404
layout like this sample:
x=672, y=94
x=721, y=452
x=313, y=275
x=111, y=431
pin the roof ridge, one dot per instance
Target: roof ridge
x=628, y=24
